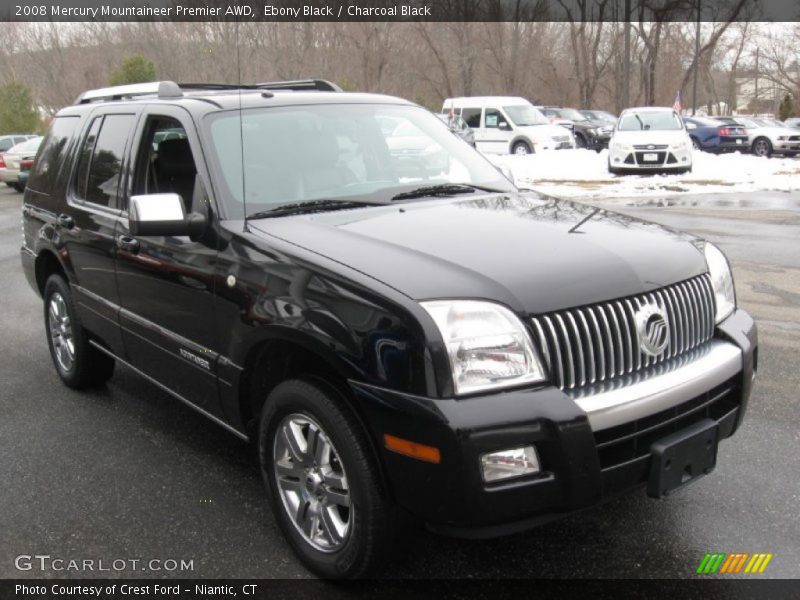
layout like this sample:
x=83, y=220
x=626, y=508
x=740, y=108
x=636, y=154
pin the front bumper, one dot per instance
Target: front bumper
x=591, y=447
x=657, y=159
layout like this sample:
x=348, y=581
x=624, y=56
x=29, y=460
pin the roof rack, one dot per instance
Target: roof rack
x=300, y=85
x=170, y=89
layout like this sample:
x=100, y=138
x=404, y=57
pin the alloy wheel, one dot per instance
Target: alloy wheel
x=61, y=337
x=312, y=483
x=761, y=148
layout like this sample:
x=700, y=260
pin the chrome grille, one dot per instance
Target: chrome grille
x=582, y=346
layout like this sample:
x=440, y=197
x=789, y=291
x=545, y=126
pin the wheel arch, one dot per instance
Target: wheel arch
x=283, y=356
x=520, y=138
x=45, y=265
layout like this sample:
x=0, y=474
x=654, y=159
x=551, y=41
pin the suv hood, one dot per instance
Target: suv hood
x=544, y=132
x=534, y=254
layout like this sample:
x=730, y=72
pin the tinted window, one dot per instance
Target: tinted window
x=471, y=116
x=51, y=153
x=86, y=157
x=102, y=180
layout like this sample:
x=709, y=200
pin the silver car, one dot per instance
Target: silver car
x=9, y=161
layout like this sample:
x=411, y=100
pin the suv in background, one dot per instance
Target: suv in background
x=508, y=124
x=393, y=339
x=589, y=133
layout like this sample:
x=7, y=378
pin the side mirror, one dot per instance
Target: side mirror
x=163, y=214
x=504, y=126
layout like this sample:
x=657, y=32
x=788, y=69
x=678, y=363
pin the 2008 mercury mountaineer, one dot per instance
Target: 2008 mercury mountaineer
x=397, y=327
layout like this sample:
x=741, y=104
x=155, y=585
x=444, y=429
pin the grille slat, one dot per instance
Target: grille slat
x=590, y=344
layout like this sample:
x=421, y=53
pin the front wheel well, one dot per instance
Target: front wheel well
x=275, y=361
x=46, y=264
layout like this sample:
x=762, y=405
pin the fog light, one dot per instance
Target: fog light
x=508, y=464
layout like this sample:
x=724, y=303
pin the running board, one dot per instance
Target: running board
x=173, y=393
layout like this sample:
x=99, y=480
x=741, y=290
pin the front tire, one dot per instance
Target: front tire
x=762, y=147
x=18, y=187
x=323, y=481
x=521, y=148
x=78, y=364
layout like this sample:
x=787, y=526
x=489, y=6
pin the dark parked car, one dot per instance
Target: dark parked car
x=599, y=115
x=712, y=136
x=441, y=345
x=589, y=133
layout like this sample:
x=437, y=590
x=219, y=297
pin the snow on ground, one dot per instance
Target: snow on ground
x=584, y=173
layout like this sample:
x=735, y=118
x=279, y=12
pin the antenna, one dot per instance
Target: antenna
x=241, y=126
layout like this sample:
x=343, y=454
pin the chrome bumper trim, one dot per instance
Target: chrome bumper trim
x=718, y=362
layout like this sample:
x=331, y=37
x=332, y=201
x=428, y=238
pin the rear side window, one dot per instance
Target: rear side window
x=6, y=143
x=471, y=116
x=51, y=153
x=100, y=164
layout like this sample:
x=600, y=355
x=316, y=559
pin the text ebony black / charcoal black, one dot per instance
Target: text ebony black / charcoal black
x=399, y=330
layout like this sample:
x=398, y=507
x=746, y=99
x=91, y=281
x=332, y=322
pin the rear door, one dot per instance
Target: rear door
x=166, y=283
x=88, y=222
x=473, y=117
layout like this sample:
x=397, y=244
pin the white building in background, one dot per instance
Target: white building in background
x=766, y=90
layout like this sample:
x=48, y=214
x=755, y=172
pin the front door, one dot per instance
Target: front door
x=166, y=284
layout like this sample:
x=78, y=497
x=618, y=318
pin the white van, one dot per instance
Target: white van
x=508, y=124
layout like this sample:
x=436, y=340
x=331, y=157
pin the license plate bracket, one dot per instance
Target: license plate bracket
x=682, y=457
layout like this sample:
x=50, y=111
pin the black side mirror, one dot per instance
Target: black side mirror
x=504, y=126
x=163, y=214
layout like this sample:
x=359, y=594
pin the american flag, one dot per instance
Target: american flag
x=677, y=104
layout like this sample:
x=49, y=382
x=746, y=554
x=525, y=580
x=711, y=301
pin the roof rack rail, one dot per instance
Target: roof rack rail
x=162, y=89
x=170, y=89
x=300, y=85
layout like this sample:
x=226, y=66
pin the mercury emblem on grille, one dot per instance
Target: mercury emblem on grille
x=652, y=328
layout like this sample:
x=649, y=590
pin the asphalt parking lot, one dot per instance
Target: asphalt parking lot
x=126, y=472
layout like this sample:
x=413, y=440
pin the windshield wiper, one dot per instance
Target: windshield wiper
x=310, y=206
x=444, y=189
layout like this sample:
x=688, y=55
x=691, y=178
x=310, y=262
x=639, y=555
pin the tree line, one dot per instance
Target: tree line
x=578, y=62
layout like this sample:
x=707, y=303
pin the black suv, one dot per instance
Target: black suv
x=398, y=333
x=589, y=133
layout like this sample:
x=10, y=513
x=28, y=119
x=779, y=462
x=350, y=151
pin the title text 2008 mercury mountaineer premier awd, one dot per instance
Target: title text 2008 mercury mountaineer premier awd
x=398, y=328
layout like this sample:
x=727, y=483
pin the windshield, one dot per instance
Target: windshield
x=525, y=114
x=571, y=114
x=772, y=123
x=650, y=120
x=366, y=152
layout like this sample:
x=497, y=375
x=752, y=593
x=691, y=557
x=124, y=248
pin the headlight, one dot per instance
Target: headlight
x=679, y=146
x=621, y=147
x=721, y=281
x=487, y=344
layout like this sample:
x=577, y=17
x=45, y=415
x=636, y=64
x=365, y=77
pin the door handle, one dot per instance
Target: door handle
x=128, y=244
x=65, y=221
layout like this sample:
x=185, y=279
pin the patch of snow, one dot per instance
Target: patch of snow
x=584, y=173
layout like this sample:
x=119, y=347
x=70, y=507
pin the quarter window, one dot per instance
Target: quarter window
x=47, y=163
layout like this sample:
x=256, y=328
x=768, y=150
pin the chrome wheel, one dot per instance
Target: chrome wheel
x=61, y=338
x=312, y=483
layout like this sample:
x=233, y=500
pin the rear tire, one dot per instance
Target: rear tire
x=79, y=364
x=323, y=481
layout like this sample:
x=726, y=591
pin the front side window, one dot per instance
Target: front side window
x=101, y=159
x=650, y=120
x=281, y=155
x=493, y=118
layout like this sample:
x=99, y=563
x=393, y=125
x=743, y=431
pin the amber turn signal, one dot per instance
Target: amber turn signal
x=412, y=449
